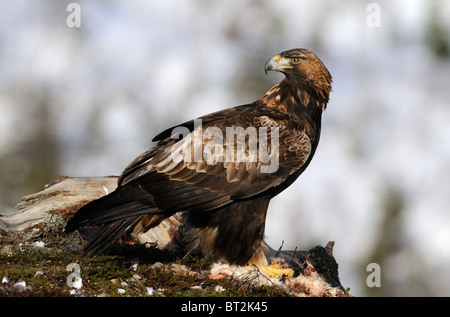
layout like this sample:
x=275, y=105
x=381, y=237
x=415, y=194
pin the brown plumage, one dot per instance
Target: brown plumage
x=226, y=195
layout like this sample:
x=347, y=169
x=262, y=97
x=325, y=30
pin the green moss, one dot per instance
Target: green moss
x=123, y=271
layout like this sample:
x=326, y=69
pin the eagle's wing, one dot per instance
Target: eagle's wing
x=234, y=154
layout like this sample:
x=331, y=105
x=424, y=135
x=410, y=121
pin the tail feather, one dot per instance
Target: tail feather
x=115, y=213
x=109, y=233
x=122, y=203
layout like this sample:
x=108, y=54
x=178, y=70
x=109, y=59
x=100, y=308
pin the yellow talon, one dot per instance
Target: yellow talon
x=274, y=270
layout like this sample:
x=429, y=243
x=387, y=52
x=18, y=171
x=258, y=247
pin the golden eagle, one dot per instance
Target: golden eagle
x=221, y=169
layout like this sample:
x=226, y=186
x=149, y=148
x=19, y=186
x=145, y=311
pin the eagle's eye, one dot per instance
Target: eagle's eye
x=295, y=60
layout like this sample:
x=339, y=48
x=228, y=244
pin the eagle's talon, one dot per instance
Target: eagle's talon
x=273, y=270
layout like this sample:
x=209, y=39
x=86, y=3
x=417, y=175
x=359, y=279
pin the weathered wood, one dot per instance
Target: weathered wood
x=49, y=209
x=47, y=212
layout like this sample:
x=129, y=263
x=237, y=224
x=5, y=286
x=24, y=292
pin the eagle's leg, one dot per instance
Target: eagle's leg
x=234, y=233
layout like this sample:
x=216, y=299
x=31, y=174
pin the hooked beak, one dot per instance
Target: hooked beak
x=277, y=63
x=272, y=64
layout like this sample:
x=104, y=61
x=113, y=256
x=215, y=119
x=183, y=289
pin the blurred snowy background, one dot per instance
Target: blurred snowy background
x=85, y=101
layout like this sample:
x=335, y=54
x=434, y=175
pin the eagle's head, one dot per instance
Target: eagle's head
x=304, y=70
